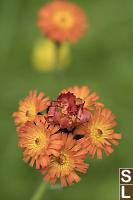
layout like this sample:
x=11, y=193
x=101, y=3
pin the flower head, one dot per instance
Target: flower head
x=62, y=21
x=65, y=165
x=82, y=95
x=30, y=107
x=38, y=141
x=66, y=112
x=98, y=133
x=57, y=141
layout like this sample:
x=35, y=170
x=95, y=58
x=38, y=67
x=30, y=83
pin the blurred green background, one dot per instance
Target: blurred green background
x=102, y=60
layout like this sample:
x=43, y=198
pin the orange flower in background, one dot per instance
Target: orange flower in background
x=30, y=107
x=82, y=95
x=65, y=165
x=98, y=133
x=62, y=21
x=39, y=141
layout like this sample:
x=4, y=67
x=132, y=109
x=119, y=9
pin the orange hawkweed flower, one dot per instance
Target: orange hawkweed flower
x=39, y=141
x=65, y=165
x=62, y=21
x=82, y=95
x=98, y=133
x=30, y=107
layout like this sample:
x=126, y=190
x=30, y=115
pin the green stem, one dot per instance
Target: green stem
x=56, y=72
x=57, y=55
x=40, y=191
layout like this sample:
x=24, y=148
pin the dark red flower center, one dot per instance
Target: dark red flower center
x=99, y=131
x=37, y=141
x=59, y=160
x=27, y=113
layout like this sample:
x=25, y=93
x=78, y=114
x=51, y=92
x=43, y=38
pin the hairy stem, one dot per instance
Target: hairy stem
x=40, y=191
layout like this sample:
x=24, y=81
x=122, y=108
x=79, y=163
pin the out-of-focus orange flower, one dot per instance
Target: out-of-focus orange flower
x=62, y=21
x=65, y=165
x=98, y=133
x=30, y=107
x=82, y=95
x=38, y=142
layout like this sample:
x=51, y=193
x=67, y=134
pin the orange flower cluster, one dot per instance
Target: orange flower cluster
x=61, y=20
x=56, y=136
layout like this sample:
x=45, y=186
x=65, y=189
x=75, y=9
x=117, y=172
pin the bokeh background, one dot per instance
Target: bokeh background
x=102, y=60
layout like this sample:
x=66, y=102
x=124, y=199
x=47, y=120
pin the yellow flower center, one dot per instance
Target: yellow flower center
x=79, y=101
x=38, y=141
x=63, y=19
x=28, y=111
x=86, y=102
x=62, y=161
x=96, y=133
